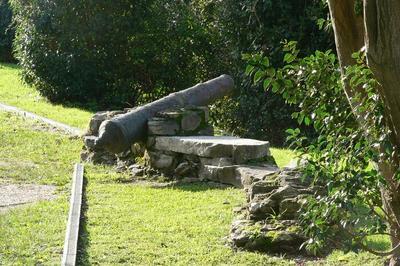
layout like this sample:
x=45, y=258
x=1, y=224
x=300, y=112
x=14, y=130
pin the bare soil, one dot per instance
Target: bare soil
x=14, y=195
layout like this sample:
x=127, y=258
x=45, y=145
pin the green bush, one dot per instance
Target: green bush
x=6, y=32
x=260, y=26
x=111, y=53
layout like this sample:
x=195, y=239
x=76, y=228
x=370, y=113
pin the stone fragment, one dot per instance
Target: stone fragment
x=262, y=187
x=190, y=121
x=250, y=174
x=288, y=208
x=263, y=209
x=162, y=127
x=184, y=169
x=161, y=161
x=95, y=122
x=89, y=142
x=284, y=192
x=215, y=147
x=136, y=170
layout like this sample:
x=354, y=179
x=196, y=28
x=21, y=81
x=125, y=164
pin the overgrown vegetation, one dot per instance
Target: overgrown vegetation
x=341, y=156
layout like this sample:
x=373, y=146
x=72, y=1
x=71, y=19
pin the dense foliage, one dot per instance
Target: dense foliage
x=6, y=32
x=341, y=156
x=123, y=53
x=112, y=52
x=261, y=26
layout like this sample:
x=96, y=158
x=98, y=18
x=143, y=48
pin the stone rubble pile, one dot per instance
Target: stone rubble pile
x=269, y=221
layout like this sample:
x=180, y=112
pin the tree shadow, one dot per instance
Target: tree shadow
x=84, y=235
x=197, y=186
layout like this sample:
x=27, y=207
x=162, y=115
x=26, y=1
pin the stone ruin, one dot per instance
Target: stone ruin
x=180, y=144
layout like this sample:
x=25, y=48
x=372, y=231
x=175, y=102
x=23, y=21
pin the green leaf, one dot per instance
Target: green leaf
x=289, y=58
x=258, y=76
x=267, y=83
x=249, y=70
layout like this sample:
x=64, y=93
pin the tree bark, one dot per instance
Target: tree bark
x=379, y=32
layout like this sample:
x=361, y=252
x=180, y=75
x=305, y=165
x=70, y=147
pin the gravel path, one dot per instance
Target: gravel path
x=14, y=195
x=60, y=126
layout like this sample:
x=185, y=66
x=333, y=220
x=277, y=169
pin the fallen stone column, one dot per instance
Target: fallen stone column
x=117, y=134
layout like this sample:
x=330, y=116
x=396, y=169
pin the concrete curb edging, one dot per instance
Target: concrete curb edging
x=63, y=127
x=72, y=232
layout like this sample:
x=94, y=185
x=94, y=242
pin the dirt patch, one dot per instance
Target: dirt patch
x=14, y=195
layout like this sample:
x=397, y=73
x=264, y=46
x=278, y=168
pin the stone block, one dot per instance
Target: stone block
x=288, y=209
x=184, y=169
x=163, y=127
x=261, y=187
x=215, y=147
x=250, y=174
x=225, y=175
x=191, y=121
x=161, y=161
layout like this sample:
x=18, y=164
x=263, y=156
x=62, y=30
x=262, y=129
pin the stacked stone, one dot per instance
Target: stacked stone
x=188, y=121
x=95, y=155
x=269, y=222
x=222, y=159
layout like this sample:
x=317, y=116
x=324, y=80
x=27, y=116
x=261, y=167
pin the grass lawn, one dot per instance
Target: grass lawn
x=124, y=223
x=14, y=92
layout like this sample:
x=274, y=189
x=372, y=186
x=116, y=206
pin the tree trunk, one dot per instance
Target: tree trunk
x=380, y=33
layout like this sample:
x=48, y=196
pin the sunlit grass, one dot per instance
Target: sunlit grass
x=14, y=92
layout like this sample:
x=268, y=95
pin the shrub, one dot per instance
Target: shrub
x=260, y=26
x=111, y=53
x=6, y=32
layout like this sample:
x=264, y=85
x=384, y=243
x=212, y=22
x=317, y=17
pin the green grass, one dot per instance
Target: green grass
x=14, y=92
x=124, y=223
x=34, y=234
x=184, y=225
x=283, y=156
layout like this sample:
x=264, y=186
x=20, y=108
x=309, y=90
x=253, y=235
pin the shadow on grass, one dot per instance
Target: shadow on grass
x=192, y=186
x=84, y=236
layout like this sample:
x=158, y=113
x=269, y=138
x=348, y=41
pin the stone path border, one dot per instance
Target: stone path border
x=72, y=233
x=63, y=127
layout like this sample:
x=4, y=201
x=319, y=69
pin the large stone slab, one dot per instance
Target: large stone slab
x=239, y=149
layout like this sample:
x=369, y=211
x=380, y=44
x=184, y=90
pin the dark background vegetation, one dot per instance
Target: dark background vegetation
x=114, y=54
x=7, y=32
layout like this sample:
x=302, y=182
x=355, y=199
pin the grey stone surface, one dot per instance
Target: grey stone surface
x=225, y=175
x=161, y=161
x=215, y=147
x=250, y=174
x=217, y=161
x=289, y=208
x=262, y=187
x=96, y=121
x=190, y=121
x=163, y=127
x=89, y=141
x=184, y=169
